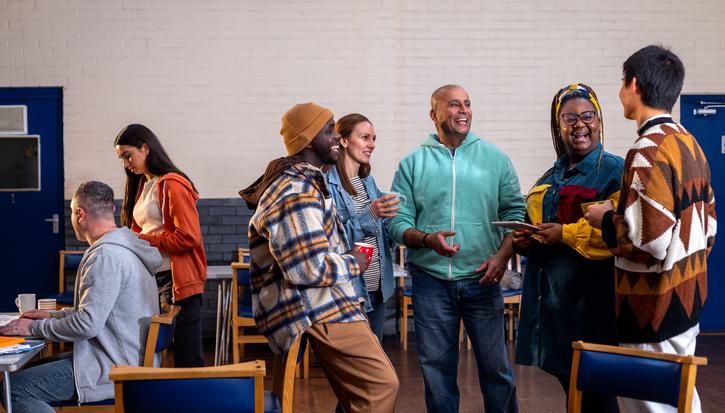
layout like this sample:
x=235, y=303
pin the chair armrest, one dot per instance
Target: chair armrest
x=602, y=348
x=249, y=369
x=168, y=316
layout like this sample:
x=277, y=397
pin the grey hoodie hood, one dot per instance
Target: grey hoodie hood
x=124, y=237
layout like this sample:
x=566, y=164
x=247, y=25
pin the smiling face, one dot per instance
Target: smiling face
x=133, y=158
x=361, y=143
x=326, y=144
x=579, y=138
x=451, y=112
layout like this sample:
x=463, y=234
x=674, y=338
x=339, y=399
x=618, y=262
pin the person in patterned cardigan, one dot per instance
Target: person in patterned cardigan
x=300, y=272
x=664, y=226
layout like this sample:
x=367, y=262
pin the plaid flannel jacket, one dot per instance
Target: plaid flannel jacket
x=299, y=273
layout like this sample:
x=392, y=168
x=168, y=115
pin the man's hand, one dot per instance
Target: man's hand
x=19, y=327
x=36, y=314
x=362, y=260
x=550, y=233
x=437, y=242
x=596, y=212
x=492, y=269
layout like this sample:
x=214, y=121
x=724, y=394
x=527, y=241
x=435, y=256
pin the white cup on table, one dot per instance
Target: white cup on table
x=25, y=302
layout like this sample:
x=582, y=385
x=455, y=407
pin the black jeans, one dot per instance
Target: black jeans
x=188, y=349
x=591, y=402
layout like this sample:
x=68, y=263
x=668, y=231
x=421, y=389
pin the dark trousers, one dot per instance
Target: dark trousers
x=188, y=349
x=591, y=402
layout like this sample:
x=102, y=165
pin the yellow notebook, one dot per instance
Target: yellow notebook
x=9, y=341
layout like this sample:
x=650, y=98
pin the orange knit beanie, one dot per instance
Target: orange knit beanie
x=301, y=124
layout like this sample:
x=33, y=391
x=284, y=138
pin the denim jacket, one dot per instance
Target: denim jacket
x=358, y=226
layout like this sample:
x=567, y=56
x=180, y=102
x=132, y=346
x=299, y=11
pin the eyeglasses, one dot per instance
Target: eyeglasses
x=586, y=117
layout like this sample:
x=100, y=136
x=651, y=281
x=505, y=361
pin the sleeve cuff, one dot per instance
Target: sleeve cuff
x=609, y=231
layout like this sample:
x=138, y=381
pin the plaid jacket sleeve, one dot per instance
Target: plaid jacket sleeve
x=298, y=230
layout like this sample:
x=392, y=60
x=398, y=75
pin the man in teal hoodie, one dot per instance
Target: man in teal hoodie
x=456, y=184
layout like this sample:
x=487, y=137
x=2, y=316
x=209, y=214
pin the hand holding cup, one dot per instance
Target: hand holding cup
x=386, y=206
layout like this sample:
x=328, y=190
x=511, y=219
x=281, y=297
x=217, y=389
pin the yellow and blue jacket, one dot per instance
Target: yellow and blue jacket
x=568, y=287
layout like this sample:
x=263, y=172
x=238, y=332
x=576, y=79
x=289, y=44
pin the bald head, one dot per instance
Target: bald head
x=442, y=92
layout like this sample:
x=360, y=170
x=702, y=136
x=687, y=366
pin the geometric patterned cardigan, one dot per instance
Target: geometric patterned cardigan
x=661, y=235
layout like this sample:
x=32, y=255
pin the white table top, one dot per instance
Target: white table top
x=14, y=362
x=219, y=272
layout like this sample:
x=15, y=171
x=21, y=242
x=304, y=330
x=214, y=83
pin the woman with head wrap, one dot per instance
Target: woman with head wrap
x=568, y=291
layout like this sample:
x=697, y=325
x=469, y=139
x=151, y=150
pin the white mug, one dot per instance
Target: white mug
x=402, y=198
x=25, y=302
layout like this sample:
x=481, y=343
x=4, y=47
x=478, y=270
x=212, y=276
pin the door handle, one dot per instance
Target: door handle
x=55, y=221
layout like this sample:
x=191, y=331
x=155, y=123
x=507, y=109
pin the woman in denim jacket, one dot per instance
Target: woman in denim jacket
x=362, y=210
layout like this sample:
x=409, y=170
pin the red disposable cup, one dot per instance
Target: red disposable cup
x=366, y=249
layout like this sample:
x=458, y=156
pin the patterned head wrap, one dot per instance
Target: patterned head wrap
x=578, y=90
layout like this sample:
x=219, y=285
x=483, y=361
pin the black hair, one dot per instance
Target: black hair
x=659, y=74
x=158, y=163
x=96, y=198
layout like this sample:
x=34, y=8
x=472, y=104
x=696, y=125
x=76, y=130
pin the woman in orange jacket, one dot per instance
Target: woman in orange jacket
x=160, y=205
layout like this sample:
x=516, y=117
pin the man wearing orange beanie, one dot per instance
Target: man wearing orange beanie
x=300, y=272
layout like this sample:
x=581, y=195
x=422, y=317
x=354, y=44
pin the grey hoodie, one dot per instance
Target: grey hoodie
x=115, y=297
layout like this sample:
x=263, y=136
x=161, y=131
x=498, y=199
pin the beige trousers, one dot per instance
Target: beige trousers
x=356, y=366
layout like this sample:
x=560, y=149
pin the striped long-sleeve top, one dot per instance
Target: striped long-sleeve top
x=300, y=275
x=661, y=234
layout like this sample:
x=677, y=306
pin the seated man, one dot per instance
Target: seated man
x=115, y=297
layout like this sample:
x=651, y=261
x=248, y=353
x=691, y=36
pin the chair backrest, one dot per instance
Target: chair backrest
x=241, y=278
x=632, y=373
x=283, y=380
x=161, y=334
x=231, y=388
x=69, y=261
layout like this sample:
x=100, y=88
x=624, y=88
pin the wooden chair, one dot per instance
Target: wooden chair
x=632, y=373
x=280, y=399
x=161, y=334
x=242, y=316
x=159, y=339
x=405, y=298
x=222, y=389
x=512, y=298
x=68, y=261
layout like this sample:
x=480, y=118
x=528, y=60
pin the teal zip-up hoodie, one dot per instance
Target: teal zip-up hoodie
x=464, y=193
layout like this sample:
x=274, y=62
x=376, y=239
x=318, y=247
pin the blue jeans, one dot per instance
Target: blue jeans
x=376, y=316
x=439, y=306
x=33, y=387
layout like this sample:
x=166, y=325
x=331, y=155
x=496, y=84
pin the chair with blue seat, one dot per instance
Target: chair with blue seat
x=237, y=388
x=512, y=297
x=159, y=339
x=242, y=315
x=68, y=261
x=280, y=399
x=632, y=373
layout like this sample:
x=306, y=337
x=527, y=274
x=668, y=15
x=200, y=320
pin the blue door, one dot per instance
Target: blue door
x=704, y=117
x=31, y=191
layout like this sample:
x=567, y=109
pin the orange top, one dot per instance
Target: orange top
x=181, y=237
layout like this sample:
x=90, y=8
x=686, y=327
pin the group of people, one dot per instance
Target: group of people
x=618, y=256
x=126, y=276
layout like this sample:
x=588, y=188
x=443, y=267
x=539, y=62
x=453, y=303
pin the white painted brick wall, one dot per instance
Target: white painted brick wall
x=212, y=78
